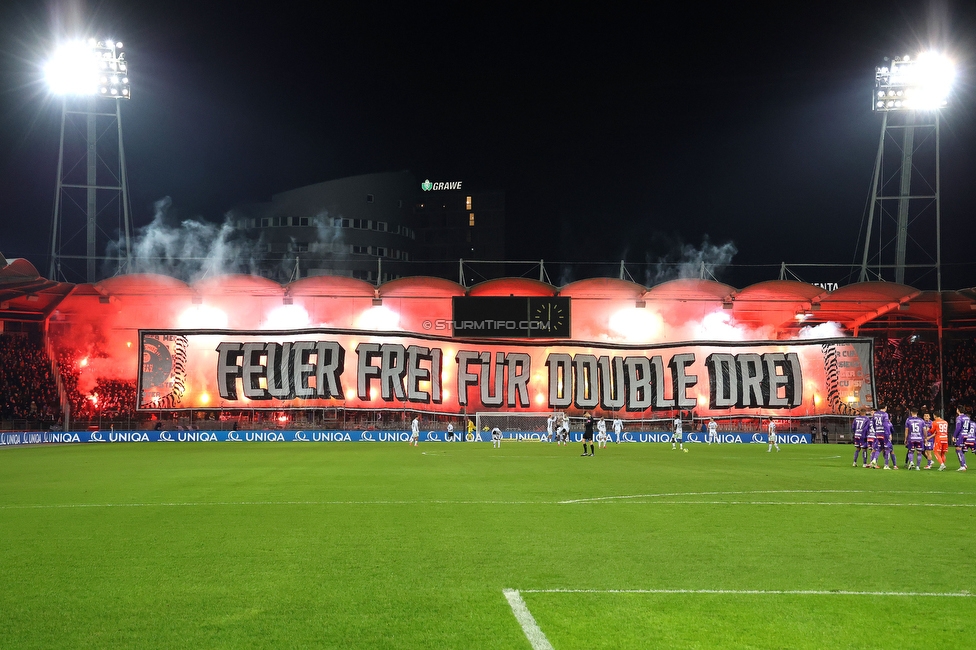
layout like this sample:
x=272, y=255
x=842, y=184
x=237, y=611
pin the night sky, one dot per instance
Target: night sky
x=614, y=133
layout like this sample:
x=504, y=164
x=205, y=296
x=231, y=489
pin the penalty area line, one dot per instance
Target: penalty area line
x=533, y=632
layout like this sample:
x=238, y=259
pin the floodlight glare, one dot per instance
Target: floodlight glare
x=924, y=81
x=78, y=68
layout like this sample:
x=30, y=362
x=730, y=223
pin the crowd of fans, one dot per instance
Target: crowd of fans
x=109, y=399
x=27, y=384
x=906, y=374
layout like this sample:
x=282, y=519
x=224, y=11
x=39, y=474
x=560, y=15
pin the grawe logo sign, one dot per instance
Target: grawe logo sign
x=433, y=186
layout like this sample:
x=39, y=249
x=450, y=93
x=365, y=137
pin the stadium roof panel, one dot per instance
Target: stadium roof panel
x=690, y=289
x=512, y=287
x=330, y=285
x=420, y=287
x=604, y=288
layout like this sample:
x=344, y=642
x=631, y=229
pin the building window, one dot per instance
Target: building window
x=300, y=247
x=369, y=198
x=467, y=203
x=265, y=222
x=303, y=221
x=471, y=219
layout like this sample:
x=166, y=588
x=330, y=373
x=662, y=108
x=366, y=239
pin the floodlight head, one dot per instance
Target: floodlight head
x=87, y=68
x=922, y=82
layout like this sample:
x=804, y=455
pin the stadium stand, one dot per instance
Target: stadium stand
x=26, y=382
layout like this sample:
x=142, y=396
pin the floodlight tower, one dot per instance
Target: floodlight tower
x=92, y=79
x=906, y=190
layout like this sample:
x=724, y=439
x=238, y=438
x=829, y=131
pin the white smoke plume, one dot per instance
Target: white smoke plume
x=686, y=261
x=329, y=237
x=190, y=249
x=828, y=330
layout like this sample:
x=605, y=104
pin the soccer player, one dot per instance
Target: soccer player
x=550, y=423
x=941, y=442
x=618, y=428
x=415, y=432
x=587, y=433
x=450, y=432
x=882, y=439
x=676, y=434
x=772, y=435
x=961, y=435
x=712, y=431
x=929, y=439
x=601, y=432
x=564, y=430
x=971, y=434
x=871, y=437
x=860, y=440
x=471, y=429
x=914, y=439
x=496, y=438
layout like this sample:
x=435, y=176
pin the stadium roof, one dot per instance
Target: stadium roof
x=784, y=305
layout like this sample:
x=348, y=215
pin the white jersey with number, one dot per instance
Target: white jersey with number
x=677, y=426
x=618, y=426
x=549, y=424
x=772, y=431
x=415, y=429
x=712, y=428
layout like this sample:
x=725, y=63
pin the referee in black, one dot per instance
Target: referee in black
x=587, y=433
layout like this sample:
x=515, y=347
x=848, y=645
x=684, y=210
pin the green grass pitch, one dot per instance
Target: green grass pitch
x=358, y=545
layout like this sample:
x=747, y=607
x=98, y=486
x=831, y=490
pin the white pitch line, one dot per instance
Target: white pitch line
x=808, y=503
x=633, y=498
x=531, y=629
x=759, y=592
x=625, y=497
x=192, y=504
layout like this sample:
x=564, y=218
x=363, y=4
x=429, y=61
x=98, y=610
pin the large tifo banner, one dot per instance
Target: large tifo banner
x=364, y=370
x=19, y=438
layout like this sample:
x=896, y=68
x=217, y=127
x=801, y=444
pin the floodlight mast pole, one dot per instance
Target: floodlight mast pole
x=54, y=270
x=906, y=89
x=91, y=212
x=110, y=70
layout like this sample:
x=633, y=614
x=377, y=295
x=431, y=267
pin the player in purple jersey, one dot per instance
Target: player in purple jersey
x=961, y=435
x=971, y=434
x=914, y=439
x=882, y=439
x=871, y=440
x=859, y=433
x=928, y=442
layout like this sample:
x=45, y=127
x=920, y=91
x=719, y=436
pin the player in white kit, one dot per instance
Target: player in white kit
x=601, y=433
x=415, y=432
x=677, y=436
x=496, y=438
x=713, y=431
x=550, y=423
x=772, y=435
x=618, y=428
x=450, y=432
x=564, y=430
